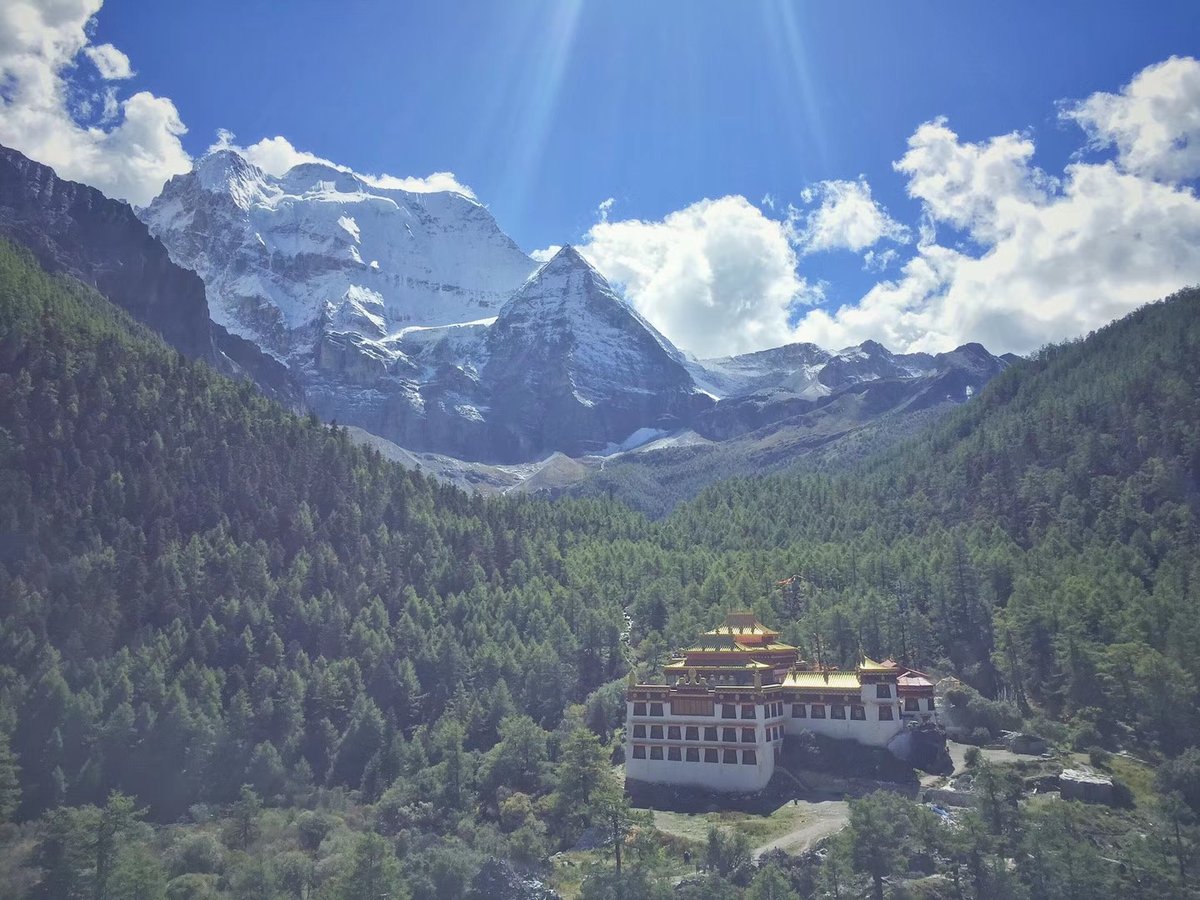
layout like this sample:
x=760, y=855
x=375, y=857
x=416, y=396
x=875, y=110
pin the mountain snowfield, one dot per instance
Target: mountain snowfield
x=415, y=318
x=319, y=249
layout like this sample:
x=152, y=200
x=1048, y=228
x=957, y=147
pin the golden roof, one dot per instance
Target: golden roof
x=710, y=642
x=869, y=665
x=835, y=680
x=732, y=665
x=742, y=622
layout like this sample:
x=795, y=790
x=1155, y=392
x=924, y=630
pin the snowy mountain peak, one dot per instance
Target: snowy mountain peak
x=566, y=277
x=568, y=257
x=287, y=258
x=226, y=172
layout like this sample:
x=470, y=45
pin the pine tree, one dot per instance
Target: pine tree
x=10, y=782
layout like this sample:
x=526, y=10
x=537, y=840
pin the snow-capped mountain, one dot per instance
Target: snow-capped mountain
x=573, y=366
x=414, y=317
x=806, y=370
x=566, y=366
x=317, y=251
x=772, y=386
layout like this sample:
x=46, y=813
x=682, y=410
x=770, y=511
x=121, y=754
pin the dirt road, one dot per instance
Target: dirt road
x=822, y=819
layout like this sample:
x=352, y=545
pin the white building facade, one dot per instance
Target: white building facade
x=720, y=720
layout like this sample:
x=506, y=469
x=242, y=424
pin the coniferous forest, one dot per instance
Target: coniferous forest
x=242, y=657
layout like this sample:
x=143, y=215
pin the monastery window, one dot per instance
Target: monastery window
x=748, y=711
x=639, y=751
x=674, y=755
x=729, y=756
x=729, y=734
x=656, y=709
x=728, y=711
x=673, y=732
x=692, y=733
x=818, y=711
x=692, y=706
x=858, y=713
x=749, y=758
x=656, y=752
x=710, y=732
x=885, y=714
x=837, y=711
x=932, y=706
x=693, y=754
x=798, y=711
x=710, y=754
x=656, y=732
x=883, y=691
x=748, y=736
x=912, y=704
x=639, y=731
x=639, y=709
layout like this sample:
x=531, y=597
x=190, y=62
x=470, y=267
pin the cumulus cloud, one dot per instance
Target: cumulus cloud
x=111, y=63
x=546, y=253
x=1154, y=122
x=127, y=148
x=276, y=155
x=846, y=218
x=717, y=277
x=1054, y=257
x=1005, y=253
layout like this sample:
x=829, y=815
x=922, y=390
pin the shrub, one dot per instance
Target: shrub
x=199, y=853
x=1084, y=737
x=312, y=828
x=971, y=757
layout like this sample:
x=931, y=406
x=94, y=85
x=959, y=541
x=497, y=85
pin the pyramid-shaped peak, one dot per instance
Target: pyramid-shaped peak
x=568, y=258
x=870, y=346
x=568, y=273
x=218, y=168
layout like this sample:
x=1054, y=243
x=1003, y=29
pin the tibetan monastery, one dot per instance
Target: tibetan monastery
x=720, y=719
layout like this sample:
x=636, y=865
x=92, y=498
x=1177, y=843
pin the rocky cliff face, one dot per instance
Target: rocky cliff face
x=76, y=230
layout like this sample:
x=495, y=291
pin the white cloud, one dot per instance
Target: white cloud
x=717, y=277
x=1053, y=257
x=111, y=63
x=276, y=155
x=603, y=209
x=848, y=218
x=1154, y=122
x=878, y=261
x=1006, y=254
x=546, y=253
x=127, y=148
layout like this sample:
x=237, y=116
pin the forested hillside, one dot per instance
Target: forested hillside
x=199, y=588
x=206, y=600
x=1041, y=542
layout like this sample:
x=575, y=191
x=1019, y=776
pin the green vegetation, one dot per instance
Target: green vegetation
x=343, y=677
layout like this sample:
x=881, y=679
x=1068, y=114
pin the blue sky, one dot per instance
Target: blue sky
x=546, y=108
x=656, y=104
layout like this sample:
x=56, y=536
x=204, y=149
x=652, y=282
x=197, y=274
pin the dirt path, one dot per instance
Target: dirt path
x=822, y=819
